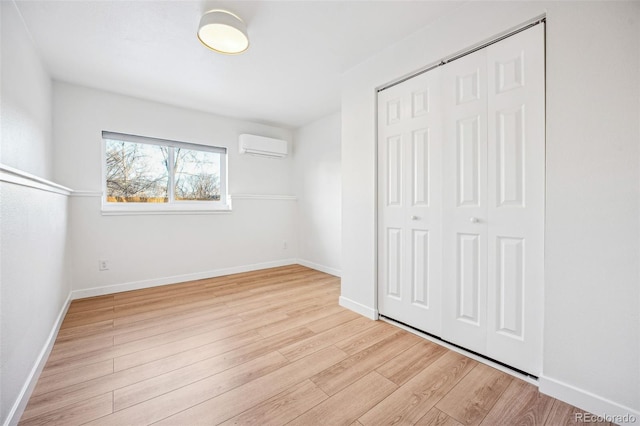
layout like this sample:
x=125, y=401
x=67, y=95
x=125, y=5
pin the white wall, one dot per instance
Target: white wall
x=318, y=188
x=592, y=278
x=34, y=278
x=592, y=297
x=35, y=282
x=26, y=100
x=148, y=250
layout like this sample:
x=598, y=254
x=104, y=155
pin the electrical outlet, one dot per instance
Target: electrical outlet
x=103, y=264
x=284, y=245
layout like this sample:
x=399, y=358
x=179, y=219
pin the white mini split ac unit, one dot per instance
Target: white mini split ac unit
x=262, y=146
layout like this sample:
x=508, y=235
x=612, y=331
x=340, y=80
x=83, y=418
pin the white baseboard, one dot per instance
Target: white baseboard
x=595, y=404
x=137, y=285
x=358, y=308
x=318, y=267
x=32, y=379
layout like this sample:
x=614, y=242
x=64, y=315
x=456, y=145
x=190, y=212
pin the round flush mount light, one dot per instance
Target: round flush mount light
x=223, y=32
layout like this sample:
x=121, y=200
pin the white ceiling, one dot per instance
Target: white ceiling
x=289, y=76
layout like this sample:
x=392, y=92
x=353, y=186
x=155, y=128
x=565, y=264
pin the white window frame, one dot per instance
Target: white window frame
x=172, y=206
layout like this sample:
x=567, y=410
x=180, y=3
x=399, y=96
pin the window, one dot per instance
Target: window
x=155, y=175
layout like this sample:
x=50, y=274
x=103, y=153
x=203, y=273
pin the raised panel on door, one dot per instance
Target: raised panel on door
x=421, y=147
x=468, y=278
x=516, y=199
x=393, y=263
x=465, y=202
x=409, y=206
x=469, y=163
x=509, y=287
x=420, y=267
x=393, y=171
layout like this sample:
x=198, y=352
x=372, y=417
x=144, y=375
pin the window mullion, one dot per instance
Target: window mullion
x=223, y=179
x=172, y=175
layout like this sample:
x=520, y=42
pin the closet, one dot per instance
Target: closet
x=461, y=200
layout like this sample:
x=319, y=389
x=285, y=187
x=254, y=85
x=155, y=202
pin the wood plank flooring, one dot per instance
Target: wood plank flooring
x=269, y=347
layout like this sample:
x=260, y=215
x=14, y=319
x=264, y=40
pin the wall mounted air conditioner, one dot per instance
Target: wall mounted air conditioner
x=262, y=146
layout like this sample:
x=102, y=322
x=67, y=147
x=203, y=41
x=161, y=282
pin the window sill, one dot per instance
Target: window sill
x=137, y=210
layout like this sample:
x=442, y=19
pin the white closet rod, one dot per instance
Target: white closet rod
x=467, y=51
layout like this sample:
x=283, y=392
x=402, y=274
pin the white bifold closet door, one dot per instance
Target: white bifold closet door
x=488, y=113
x=516, y=175
x=410, y=202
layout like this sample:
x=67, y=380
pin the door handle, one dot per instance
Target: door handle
x=474, y=220
x=414, y=218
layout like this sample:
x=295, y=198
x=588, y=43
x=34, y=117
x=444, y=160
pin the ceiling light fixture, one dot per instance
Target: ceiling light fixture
x=223, y=32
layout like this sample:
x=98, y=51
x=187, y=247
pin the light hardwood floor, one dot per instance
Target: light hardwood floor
x=268, y=347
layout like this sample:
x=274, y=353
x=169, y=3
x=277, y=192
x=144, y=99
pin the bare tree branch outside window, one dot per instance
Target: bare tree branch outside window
x=195, y=175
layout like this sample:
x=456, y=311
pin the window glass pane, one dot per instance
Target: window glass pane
x=136, y=173
x=197, y=175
